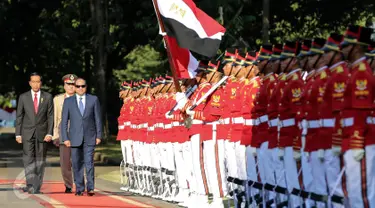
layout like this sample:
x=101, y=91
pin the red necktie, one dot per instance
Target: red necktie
x=36, y=103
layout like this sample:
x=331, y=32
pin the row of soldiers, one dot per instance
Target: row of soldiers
x=273, y=128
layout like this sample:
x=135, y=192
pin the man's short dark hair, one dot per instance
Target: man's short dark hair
x=35, y=74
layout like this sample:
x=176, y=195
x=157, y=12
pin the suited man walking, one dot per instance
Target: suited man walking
x=65, y=153
x=81, y=129
x=34, y=128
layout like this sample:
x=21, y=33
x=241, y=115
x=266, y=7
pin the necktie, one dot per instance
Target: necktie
x=36, y=103
x=81, y=108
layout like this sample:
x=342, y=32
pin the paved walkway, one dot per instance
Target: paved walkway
x=108, y=193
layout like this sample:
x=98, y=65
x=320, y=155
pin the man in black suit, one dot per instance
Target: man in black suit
x=34, y=128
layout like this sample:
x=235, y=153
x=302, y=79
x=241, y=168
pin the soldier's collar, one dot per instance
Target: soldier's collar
x=355, y=63
x=268, y=75
x=293, y=72
x=321, y=69
x=333, y=67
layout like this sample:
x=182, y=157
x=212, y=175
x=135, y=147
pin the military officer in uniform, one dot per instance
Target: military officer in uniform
x=357, y=144
x=65, y=156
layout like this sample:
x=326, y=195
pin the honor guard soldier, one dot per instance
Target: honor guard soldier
x=358, y=107
x=308, y=77
x=249, y=92
x=65, y=152
x=314, y=98
x=199, y=185
x=273, y=120
x=329, y=110
x=122, y=135
x=259, y=142
x=290, y=116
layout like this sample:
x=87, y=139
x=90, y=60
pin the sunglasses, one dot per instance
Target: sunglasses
x=80, y=86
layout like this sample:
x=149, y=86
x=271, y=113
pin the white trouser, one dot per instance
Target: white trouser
x=279, y=170
x=240, y=153
x=137, y=159
x=262, y=161
x=188, y=165
x=146, y=155
x=123, y=150
x=308, y=179
x=318, y=171
x=355, y=178
x=198, y=165
x=291, y=172
x=170, y=156
x=332, y=166
x=129, y=152
x=155, y=162
x=251, y=169
x=230, y=158
x=209, y=148
x=370, y=173
x=164, y=155
x=181, y=169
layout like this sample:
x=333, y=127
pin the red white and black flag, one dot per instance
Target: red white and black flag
x=192, y=28
x=184, y=62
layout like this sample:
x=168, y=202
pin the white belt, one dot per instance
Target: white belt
x=127, y=123
x=287, y=122
x=346, y=122
x=159, y=125
x=273, y=122
x=151, y=128
x=263, y=119
x=370, y=120
x=313, y=124
x=168, y=126
x=175, y=123
x=121, y=127
x=238, y=120
x=224, y=120
x=197, y=122
x=249, y=122
x=328, y=122
x=144, y=125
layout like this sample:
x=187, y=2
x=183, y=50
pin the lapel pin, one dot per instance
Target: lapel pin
x=41, y=100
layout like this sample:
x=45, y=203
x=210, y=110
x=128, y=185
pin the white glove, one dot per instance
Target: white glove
x=336, y=150
x=297, y=155
x=167, y=116
x=358, y=154
x=253, y=151
x=304, y=127
x=321, y=154
x=181, y=103
x=281, y=154
x=180, y=96
x=190, y=112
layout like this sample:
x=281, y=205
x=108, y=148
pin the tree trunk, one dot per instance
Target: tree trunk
x=101, y=61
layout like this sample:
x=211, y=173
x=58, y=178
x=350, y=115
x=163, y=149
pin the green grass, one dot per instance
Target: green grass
x=110, y=149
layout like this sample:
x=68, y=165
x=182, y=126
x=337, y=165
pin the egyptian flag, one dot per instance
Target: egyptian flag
x=192, y=28
x=184, y=62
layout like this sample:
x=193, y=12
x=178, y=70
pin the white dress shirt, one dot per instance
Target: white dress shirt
x=37, y=94
x=83, y=100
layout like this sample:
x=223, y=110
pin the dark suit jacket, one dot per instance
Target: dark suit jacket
x=29, y=124
x=81, y=128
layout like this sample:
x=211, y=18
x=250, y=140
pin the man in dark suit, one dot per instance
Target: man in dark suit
x=81, y=129
x=34, y=128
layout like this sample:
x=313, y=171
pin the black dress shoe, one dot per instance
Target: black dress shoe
x=91, y=193
x=68, y=190
x=79, y=193
x=31, y=190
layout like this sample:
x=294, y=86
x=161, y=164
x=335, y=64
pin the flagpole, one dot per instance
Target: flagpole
x=171, y=62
